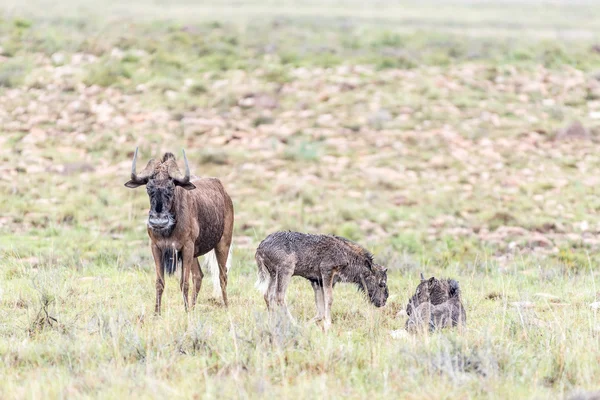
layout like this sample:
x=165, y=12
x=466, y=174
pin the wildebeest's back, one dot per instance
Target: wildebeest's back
x=208, y=205
x=308, y=252
x=279, y=246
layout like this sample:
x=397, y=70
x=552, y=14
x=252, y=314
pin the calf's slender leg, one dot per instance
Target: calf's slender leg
x=283, y=280
x=319, y=301
x=160, y=277
x=327, y=298
x=270, y=293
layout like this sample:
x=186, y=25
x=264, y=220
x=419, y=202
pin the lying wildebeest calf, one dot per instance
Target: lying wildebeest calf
x=436, y=304
x=322, y=259
x=189, y=217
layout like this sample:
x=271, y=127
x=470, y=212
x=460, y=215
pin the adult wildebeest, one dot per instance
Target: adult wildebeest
x=189, y=217
x=436, y=304
x=322, y=259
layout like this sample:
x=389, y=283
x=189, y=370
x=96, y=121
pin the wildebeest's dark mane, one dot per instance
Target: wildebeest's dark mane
x=168, y=155
x=363, y=253
x=361, y=256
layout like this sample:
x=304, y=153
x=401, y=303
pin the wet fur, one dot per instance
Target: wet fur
x=322, y=259
x=436, y=304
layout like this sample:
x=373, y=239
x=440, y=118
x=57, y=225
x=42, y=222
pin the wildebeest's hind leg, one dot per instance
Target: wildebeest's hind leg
x=222, y=252
x=319, y=301
x=270, y=293
x=197, y=276
x=223, y=248
x=283, y=278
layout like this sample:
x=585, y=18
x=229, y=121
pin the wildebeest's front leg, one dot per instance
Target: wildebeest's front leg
x=187, y=257
x=319, y=301
x=160, y=277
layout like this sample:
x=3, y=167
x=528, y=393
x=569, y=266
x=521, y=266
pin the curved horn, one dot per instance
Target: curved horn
x=422, y=277
x=143, y=177
x=186, y=178
x=133, y=174
x=174, y=171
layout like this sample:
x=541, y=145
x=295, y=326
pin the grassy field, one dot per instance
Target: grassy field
x=454, y=139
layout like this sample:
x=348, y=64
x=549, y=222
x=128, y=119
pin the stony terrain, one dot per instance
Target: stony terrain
x=443, y=152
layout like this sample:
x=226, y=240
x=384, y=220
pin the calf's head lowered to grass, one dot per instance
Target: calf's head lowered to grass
x=374, y=283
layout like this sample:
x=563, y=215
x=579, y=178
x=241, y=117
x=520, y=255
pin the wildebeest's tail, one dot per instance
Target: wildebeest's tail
x=210, y=261
x=264, y=278
x=169, y=260
x=454, y=288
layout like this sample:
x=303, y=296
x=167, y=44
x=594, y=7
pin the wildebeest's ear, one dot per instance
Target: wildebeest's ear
x=422, y=277
x=186, y=186
x=133, y=184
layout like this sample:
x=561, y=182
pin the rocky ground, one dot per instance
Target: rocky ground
x=442, y=151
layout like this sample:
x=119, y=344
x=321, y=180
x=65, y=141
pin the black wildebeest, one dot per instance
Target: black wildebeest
x=436, y=304
x=322, y=259
x=189, y=217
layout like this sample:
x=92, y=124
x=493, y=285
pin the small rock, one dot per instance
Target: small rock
x=32, y=261
x=117, y=53
x=36, y=135
x=595, y=305
x=379, y=118
x=576, y=130
x=171, y=94
x=58, y=58
x=539, y=240
x=399, y=334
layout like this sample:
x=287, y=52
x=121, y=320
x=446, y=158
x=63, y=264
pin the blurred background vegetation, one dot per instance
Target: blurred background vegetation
x=455, y=138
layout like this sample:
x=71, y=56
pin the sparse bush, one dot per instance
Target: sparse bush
x=107, y=73
x=12, y=73
x=301, y=150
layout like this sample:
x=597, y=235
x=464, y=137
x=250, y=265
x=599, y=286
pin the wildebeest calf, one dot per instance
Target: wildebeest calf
x=322, y=259
x=436, y=304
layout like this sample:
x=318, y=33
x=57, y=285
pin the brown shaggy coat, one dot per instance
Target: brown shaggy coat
x=189, y=217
